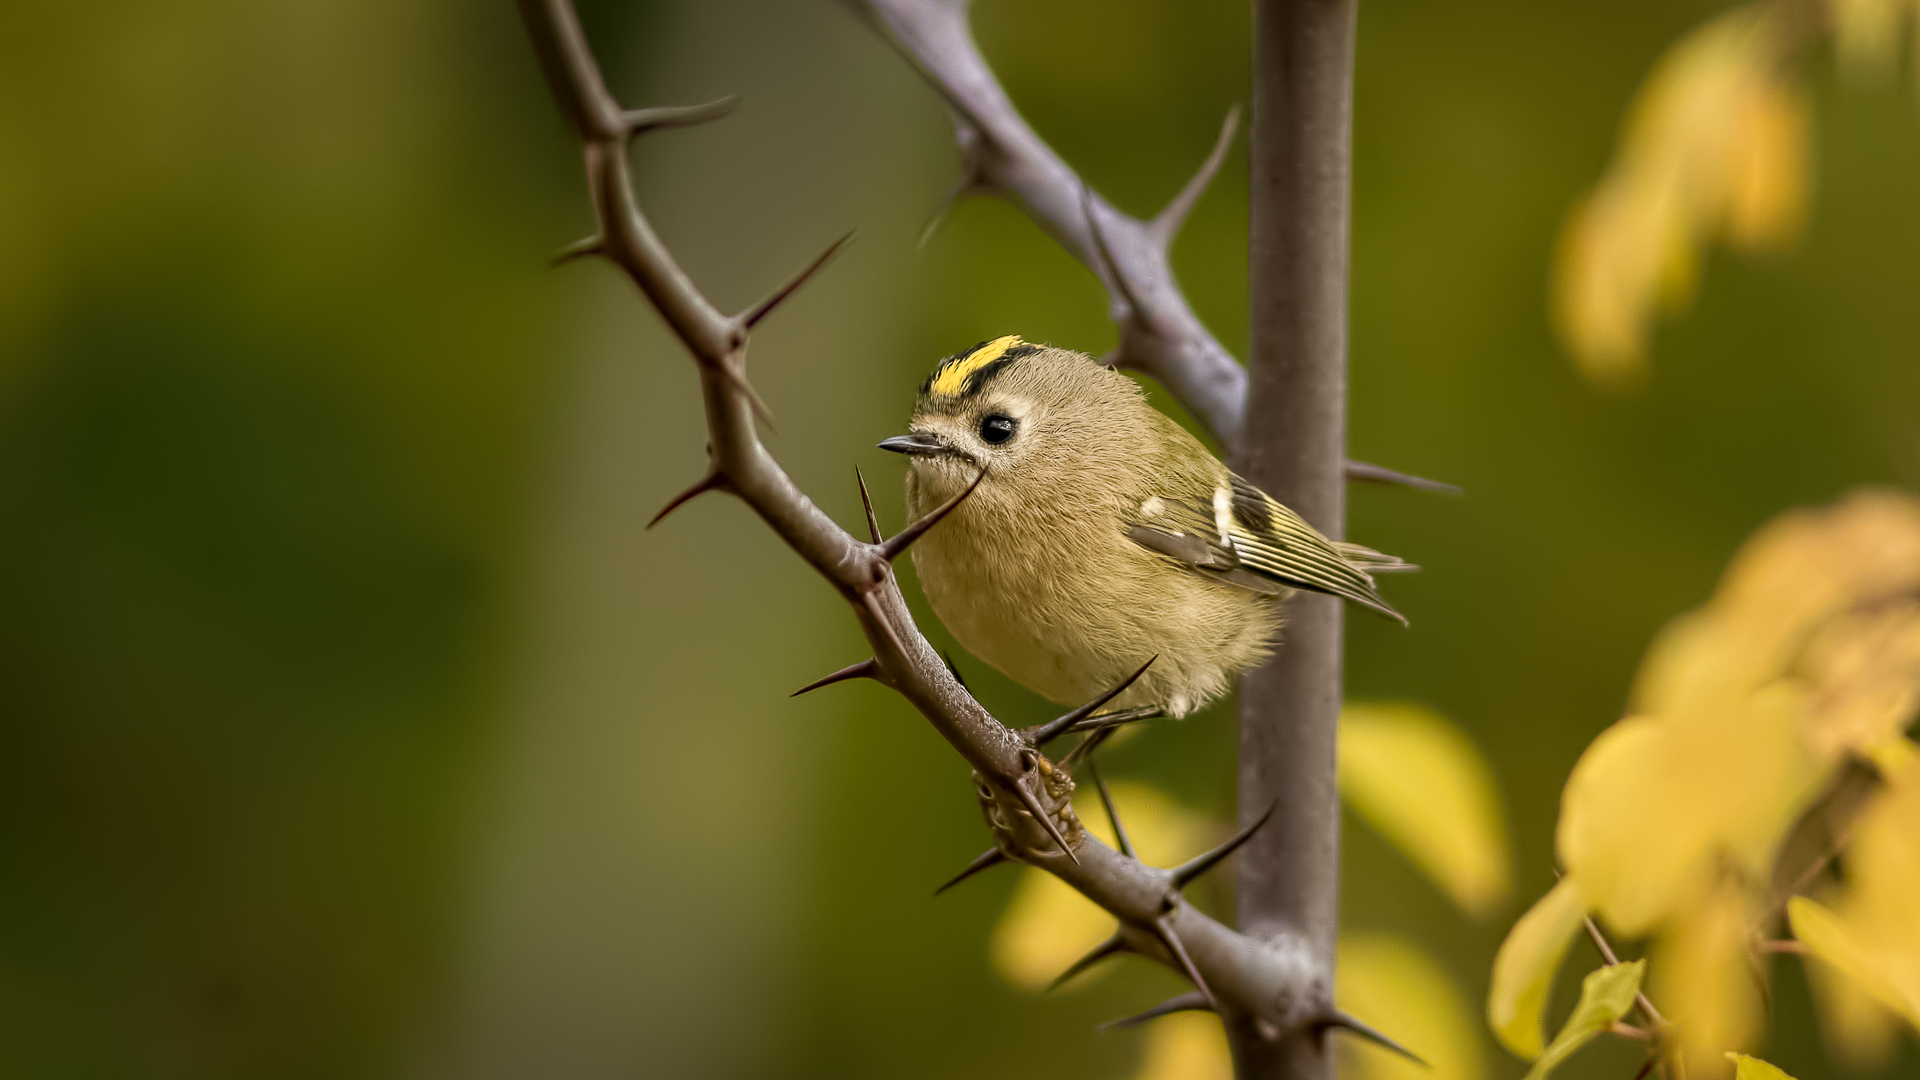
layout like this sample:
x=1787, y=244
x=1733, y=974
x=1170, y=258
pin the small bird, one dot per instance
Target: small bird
x=1102, y=534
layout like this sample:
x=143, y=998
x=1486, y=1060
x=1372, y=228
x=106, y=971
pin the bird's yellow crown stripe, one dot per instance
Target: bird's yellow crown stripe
x=952, y=379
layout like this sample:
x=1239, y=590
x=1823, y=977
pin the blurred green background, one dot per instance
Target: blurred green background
x=352, y=725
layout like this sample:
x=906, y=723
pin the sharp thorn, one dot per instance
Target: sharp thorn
x=751, y=317
x=1167, y=223
x=961, y=185
x=1108, y=721
x=1108, y=263
x=1185, y=873
x=1172, y=940
x=1191, y=1001
x=865, y=669
x=866, y=503
x=953, y=669
x=904, y=539
x=1365, y=473
x=1368, y=1032
x=579, y=249
x=640, y=121
x=1032, y=803
x=1113, y=946
x=1053, y=729
x=1106, y=800
x=968, y=138
x=986, y=860
x=934, y=221
x=711, y=482
x=872, y=603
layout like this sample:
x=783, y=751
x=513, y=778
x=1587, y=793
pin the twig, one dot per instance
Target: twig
x=1640, y=1000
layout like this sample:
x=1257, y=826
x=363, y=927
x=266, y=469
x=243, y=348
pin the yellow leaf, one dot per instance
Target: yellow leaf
x=1694, y=660
x=1703, y=979
x=1752, y=1068
x=1422, y=783
x=1866, y=667
x=1883, y=870
x=1874, y=936
x=1809, y=565
x=1524, y=968
x=1768, y=166
x=1808, y=652
x=1605, y=996
x=1872, y=529
x=1866, y=35
x=1622, y=248
x=1825, y=937
x=1185, y=1046
x=1893, y=756
x=1655, y=803
x=1860, y=1033
x=1397, y=987
x=1047, y=926
x=1606, y=835
x=1714, y=143
x=1828, y=939
x=1828, y=595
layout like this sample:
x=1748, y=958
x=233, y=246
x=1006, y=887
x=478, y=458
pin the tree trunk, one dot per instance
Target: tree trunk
x=1294, y=447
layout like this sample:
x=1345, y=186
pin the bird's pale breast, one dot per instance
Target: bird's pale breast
x=1068, y=634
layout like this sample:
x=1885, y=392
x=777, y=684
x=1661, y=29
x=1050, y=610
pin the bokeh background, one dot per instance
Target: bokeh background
x=352, y=724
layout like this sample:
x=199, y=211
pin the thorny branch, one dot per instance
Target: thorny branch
x=1256, y=985
x=1000, y=154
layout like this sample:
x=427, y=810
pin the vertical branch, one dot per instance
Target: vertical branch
x=1294, y=446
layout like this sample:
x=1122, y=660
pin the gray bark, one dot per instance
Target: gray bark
x=1294, y=447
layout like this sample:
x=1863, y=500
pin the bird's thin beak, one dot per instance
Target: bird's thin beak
x=918, y=444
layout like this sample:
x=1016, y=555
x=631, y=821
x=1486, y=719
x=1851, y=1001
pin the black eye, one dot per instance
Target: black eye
x=997, y=429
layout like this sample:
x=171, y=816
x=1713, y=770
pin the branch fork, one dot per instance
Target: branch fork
x=1000, y=154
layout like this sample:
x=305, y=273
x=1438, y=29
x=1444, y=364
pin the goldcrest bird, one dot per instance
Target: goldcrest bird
x=1102, y=534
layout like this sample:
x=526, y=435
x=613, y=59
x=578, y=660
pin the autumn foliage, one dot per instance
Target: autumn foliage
x=1765, y=747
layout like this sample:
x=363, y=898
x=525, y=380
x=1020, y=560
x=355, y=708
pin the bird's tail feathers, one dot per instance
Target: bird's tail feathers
x=1371, y=561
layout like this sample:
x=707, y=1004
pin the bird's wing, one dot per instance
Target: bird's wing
x=1245, y=538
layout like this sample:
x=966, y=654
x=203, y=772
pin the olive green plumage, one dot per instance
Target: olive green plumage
x=1102, y=535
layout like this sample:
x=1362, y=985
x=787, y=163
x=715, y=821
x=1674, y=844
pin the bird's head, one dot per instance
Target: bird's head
x=1031, y=415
